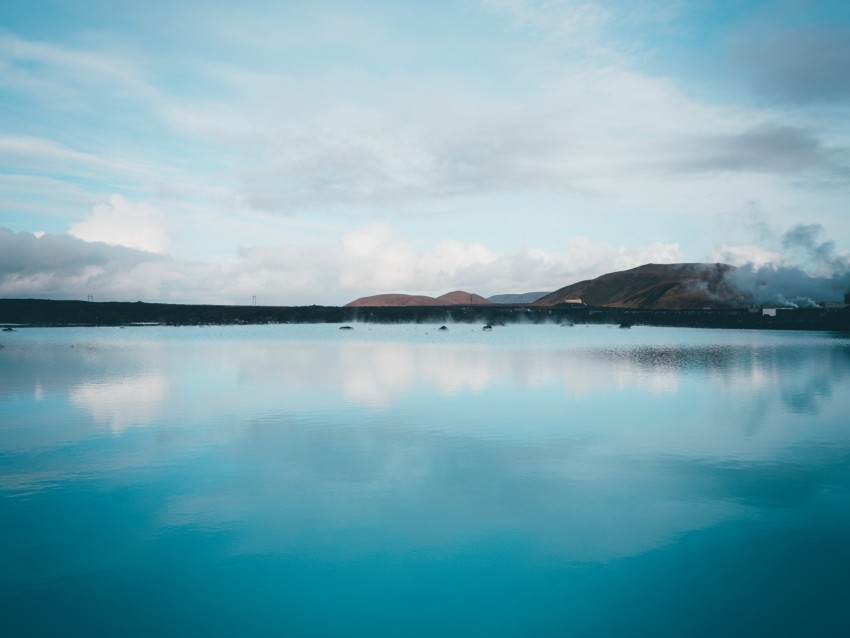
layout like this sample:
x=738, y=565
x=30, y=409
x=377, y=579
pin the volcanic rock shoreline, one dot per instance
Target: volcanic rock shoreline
x=43, y=312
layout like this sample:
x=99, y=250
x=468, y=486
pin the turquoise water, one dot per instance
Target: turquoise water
x=401, y=481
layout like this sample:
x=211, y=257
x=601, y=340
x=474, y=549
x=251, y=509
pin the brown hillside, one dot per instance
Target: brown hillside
x=461, y=298
x=394, y=300
x=659, y=286
x=456, y=298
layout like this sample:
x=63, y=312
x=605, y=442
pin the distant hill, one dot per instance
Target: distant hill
x=393, y=299
x=456, y=298
x=651, y=286
x=521, y=297
x=661, y=286
x=461, y=298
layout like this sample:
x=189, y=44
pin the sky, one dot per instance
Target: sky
x=315, y=152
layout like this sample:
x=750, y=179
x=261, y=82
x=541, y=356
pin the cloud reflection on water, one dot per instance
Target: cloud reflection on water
x=122, y=403
x=588, y=450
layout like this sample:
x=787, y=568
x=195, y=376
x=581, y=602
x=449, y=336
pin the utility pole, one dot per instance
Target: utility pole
x=253, y=300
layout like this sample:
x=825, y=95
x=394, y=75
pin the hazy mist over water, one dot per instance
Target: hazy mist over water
x=399, y=480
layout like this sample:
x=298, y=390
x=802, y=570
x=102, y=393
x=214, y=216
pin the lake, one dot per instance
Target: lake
x=301, y=480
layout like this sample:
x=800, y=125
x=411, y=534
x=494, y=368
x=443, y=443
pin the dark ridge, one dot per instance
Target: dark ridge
x=43, y=312
x=515, y=298
x=655, y=286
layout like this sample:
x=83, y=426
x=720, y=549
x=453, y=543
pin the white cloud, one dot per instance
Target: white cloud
x=368, y=260
x=124, y=223
x=748, y=254
x=376, y=259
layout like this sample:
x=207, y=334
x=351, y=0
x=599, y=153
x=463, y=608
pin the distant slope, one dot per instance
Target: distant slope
x=651, y=286
x=521, y=297
x=661, y=286
x=456, y=298
x=461, y=298
x=393, y=299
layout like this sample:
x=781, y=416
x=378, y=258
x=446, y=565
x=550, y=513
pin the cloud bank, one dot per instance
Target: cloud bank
x=804, y=268
x=368, y=260
x=63, y=266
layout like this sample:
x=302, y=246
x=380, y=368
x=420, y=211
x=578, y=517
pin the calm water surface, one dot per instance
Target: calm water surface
x=401, y=481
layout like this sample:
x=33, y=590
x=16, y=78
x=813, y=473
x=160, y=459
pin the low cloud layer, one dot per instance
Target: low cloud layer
x=803, y=268
x=371, y=259
x=63, y=266
x=380, y=260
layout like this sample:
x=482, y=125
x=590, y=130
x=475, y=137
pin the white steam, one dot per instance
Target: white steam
x=807, y=272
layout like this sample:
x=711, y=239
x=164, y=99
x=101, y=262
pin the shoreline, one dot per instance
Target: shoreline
x=23, y=313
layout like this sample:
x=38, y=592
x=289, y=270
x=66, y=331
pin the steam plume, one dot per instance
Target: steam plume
x=810, y=272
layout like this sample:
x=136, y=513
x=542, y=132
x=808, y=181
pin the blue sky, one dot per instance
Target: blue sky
x=315, y=152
